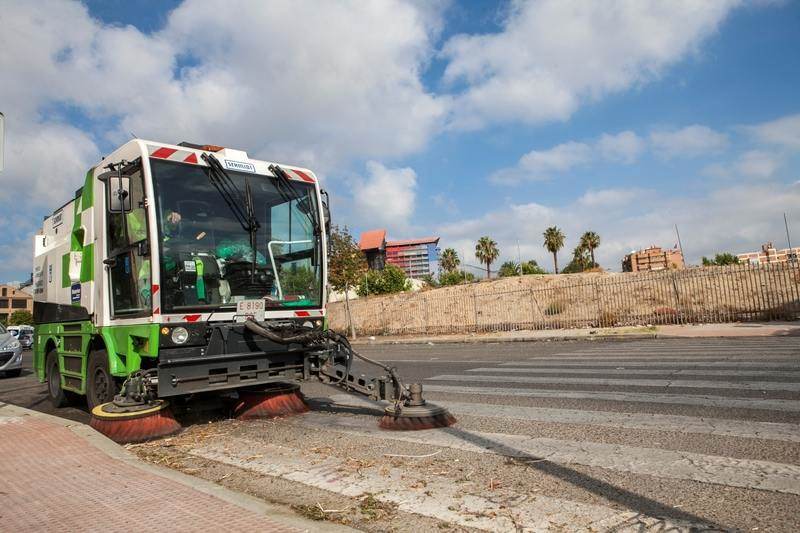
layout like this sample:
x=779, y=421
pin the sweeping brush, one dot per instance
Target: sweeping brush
x=414, y=418
x=414, y=413
x=128, y=426
x=282, y=400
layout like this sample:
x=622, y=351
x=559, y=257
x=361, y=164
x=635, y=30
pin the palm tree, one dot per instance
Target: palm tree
x=590, y=240
x=486, y=251
x=449, y=260
x=554, y=241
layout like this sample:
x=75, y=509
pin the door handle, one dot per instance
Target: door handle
x=111, y=262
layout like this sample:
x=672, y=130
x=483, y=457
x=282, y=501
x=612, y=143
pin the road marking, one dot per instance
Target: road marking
x=645, y=372
x=672, y=464
x=637, y=397
x=641, y=421
x=660, y=357
x=655, y=362
x=677, y=383
x=438, y=498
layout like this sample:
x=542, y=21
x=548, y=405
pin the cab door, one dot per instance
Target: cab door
x=127, y=255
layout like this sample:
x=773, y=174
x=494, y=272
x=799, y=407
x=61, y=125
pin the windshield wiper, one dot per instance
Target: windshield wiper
x=227, y=187
x=288, y=193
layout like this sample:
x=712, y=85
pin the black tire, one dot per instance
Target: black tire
x=58, y=397
x=101, y=386
x=17, y=372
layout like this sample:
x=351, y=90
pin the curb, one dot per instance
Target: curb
x=491, y=340
x=277, y=513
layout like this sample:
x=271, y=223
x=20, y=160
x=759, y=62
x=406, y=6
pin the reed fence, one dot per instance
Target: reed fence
x=699, y=295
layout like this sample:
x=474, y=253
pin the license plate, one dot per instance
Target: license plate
x=253, y=309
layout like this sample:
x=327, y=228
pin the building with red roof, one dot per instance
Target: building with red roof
x=416, y=257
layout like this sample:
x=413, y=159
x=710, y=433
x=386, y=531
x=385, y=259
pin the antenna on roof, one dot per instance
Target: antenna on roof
x=133, y=135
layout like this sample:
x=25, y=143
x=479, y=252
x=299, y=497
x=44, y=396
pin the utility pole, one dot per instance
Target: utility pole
x=519, y=258
x=789, y=238
x=2, y=138
x=680, y=245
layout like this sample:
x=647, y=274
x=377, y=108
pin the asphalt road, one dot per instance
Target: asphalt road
x=632, y=435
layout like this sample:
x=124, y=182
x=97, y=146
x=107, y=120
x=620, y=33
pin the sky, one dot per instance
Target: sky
x=454, y=119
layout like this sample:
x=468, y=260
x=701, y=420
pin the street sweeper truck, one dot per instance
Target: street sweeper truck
x=180, y=271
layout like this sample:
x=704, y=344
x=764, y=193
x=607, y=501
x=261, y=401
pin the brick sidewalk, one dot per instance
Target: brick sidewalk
x=52, y=479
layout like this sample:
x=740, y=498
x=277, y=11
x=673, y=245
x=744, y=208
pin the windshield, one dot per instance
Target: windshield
x=206, y=255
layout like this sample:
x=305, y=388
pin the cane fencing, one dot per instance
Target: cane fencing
x=697, y=295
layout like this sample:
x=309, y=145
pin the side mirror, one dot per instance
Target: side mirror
x=119, y=193
x=326, y=212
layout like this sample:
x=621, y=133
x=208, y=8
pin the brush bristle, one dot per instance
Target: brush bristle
x=254, y=405
x=137, y=429
x=416, y=423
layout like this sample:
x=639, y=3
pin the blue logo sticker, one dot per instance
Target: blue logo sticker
x=75, y=293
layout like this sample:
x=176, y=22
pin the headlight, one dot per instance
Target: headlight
x=179, y=335
x=13, y=345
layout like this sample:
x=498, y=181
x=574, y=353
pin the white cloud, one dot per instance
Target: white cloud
x=784, y=132
x=316, y=94
x=553, y=55
x=609, y=197
x=625, y=147
x=734, y=219
x=758, y=164
x=690, y=141
x=541, y=164
x=387, y=197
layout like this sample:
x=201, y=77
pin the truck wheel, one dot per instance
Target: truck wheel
x=100, y=384
x=57, y=395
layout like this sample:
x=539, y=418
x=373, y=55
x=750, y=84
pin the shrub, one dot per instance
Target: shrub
x=554, y=308
x=455, y=277
x=387, y=281
x=607, y=319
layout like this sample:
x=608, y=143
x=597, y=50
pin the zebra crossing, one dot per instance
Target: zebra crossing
x=721, y=381
x=649, y=435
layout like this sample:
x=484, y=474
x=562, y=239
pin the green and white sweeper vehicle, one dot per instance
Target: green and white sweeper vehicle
x=179, y=271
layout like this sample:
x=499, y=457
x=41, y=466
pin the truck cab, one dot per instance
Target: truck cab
x=159, y=258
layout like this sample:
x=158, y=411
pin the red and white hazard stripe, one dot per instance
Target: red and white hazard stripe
x=298, y=175
x=172, y=154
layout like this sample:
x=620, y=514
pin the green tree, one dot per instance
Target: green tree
x=532, y=267
x=20, y=318
x=509, y=269
x=722, y=259
x=486, y=252
x=591, y=240
x=553, y=242
x=449, y=260
x=581, y=260
x=387, y=281
x=346, y=266
x=455, y=277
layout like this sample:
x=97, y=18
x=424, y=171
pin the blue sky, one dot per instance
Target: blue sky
x=453, y=119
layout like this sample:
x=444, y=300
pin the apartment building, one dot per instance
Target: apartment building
x=13, y=299
x=653, y=258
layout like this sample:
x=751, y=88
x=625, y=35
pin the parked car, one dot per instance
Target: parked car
x=10, y=354
x=26, y=340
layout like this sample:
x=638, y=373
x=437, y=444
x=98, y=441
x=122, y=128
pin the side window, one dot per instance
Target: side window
x=128, y=258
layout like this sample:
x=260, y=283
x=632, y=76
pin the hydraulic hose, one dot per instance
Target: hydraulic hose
x=319, y=335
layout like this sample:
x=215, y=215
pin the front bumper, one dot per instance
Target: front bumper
x=10, y=359
x=190, y=375
x=227, y=356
